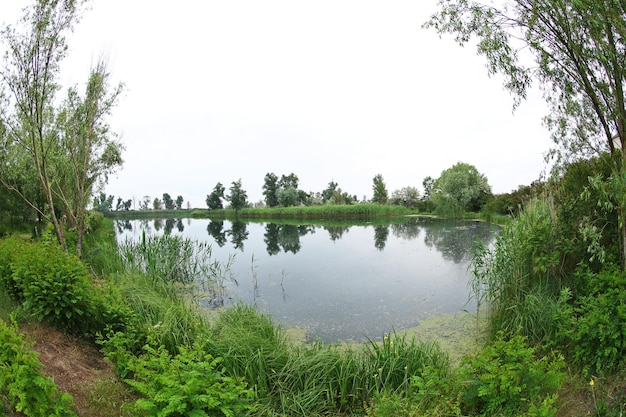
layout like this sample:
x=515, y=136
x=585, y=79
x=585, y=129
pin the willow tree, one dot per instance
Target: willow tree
x=575, y=52
x=68, y=148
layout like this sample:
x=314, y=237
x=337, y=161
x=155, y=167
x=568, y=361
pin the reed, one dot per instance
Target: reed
x=519, y=279
x=355, y=211
x=314, y=379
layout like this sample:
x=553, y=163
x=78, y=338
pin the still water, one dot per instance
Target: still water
x=340, y=282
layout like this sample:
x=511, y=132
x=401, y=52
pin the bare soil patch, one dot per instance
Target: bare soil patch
x=78, y=368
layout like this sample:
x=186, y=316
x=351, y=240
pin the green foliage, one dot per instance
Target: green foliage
x=355, y=211
x=187, y=384
x=460, y=188
x=592, y=327
x=238, y=198
x=22, y=385
x=287, y=196
x=392, y=362
x=408, y=197
x=161, y=310
x=270, y=189
x=520, y=278
x=214, y=200
x=380, y=194
x=52, y=285
x=508, y=378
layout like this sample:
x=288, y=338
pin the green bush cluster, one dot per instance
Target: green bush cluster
x=508, y=378
x=187, y=384
x=54, y=286
x=51, y=284
x=592, y=326
x=22, y=386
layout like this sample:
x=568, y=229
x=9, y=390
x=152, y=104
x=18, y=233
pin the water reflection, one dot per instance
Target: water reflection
x=216, y=231
x=340, y=281
x=238, y=234
x=456, y=240
x=381, y=232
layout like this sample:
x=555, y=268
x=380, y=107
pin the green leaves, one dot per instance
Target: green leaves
x=26, y=389
x=460, y=188
x=187, y=384
x=508, y=377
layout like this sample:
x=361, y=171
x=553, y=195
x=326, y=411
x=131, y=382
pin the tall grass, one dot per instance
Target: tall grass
x=179, y=260
x=354, y=211
x=314, y=379
x=519, y=279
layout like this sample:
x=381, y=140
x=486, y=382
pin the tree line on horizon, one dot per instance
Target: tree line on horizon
x=459, y=189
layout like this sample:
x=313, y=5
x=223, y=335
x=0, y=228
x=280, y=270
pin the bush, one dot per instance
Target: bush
x=9, y=249
x=53, y=286
x=592, y=328
x=508, y=379
x=188, y=384
x=24, y=387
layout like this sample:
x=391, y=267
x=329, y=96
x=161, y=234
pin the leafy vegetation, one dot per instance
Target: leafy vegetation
x=22, y=386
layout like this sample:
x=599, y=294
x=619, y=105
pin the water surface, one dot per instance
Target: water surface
x=340, y=282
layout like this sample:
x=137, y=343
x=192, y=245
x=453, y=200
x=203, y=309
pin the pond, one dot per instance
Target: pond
x=340, y=282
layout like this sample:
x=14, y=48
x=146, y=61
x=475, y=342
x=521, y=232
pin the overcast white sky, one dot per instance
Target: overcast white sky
x=327, y=89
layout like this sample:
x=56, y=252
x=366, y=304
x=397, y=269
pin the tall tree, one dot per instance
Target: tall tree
x=214, y=200
x=88, y=152
x=270, y=189
x=168, y=202
x=179, y=202
x=328, y=193
x=575, y=51
x=238, y=198
x=461, y=188
x=380, y=190
x=407, y=196
x=290, y=180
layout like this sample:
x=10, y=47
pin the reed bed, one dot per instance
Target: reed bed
x=355, y=211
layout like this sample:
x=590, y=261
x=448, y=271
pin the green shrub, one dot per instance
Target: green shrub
x=508, y=378
x=26, y=390
x=54, y=285
x=9, y=249
x=592, y=328
x=188, y=384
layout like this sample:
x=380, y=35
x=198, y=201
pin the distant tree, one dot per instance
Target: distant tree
x=428, y=187
x=214, y=200
x=168, y=202
x=380, y=190
x=103, y=203
x=328, y=193
x=127, y=204
x=144, y=204
x=270, y=188
x=407, y=197
x=120, y=204
x=238, y=198
x=179, y=202
x=461, y=188
x=157, y=204
x=287, y=181
x=287, y=196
